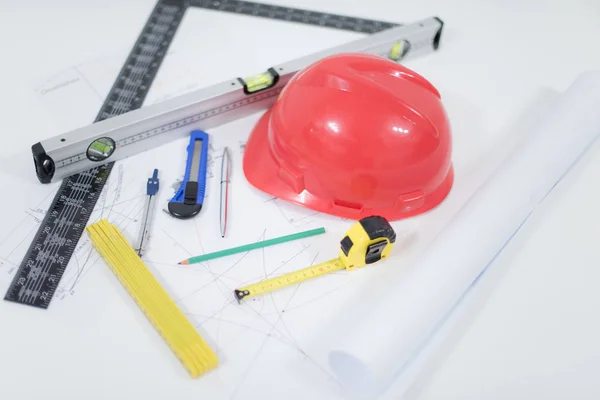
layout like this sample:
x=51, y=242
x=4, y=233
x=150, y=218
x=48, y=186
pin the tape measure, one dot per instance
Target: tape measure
x=42, y=268
x=368, y=241
x=170, y=322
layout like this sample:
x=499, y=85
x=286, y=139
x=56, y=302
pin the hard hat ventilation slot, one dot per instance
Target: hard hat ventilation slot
x=411, y=201
x=349, y=206
x=295, y=180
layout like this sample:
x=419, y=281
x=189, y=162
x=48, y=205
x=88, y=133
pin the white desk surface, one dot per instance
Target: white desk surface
x=533, y=326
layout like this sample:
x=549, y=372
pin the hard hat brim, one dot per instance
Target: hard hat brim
x=262, y=172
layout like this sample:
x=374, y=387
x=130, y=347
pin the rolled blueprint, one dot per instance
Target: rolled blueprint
x=376, y=341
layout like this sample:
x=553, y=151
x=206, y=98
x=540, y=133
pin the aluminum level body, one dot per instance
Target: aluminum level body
x=148, y=127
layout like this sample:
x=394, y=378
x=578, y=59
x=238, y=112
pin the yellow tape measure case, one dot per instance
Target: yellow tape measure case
x=367, y=242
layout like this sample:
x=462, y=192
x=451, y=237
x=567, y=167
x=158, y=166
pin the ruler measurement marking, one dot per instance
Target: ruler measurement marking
x=70, y=209
x=46, y=243
x=180, y=123
x=62, y=225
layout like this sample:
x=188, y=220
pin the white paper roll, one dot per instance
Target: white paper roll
x=377, y=342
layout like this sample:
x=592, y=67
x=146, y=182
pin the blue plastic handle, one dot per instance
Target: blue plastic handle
x=188, y=200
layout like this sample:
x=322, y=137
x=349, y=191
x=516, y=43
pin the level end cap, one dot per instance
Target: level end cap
x=182, y=210
x=438, y=35
x=44, y=165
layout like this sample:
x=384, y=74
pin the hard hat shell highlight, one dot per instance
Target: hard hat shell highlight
x=354, y=135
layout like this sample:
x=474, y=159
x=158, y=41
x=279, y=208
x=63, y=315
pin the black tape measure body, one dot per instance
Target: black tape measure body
x=43, y=266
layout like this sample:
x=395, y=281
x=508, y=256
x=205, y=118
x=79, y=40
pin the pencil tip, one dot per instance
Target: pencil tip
x=184, y=262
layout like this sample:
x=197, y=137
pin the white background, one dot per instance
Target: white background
x=529, y=330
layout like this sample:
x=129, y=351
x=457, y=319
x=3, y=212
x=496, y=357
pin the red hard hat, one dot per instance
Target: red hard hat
x=354, y=135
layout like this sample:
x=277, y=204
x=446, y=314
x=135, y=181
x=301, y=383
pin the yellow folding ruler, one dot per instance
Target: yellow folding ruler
x=366, y=242
x=191, y=349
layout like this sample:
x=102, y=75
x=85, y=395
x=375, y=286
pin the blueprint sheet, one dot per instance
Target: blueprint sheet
x=264, y=339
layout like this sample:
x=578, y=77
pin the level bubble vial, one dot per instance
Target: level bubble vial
x=101, y=149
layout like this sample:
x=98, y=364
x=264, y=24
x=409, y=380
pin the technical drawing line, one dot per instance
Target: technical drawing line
x=303, y=218
x=282, y=311
x=79, y=267
x=8, y=261
x=244, y=282
x=22, y=240
x=119, y=187
x=52, y=193
x=87, y=265
x=104, y=207
x=241, y=382
x=304, y=247
x=103, y=196
x=250, y=328
x=281, y=211
x=227, y=304
x=37, y=219
x=175, y=241
x=271, y=295
x=171, y=265
x=98, y=257
x=207, y=267
x=89, y=84
x=80, y=270
x=219, y=276
x=258, y=315
x=316, y=298
x=237, y=262
x=124, y=216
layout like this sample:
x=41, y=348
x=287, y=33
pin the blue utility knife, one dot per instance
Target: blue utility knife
x=188, y=200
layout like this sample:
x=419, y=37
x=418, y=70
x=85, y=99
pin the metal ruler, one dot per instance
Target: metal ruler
x=46, y=259
x=295, y=15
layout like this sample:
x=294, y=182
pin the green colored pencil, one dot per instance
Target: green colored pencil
x=253, y=246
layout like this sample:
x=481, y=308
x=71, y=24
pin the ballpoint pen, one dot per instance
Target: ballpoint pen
x=225, y=167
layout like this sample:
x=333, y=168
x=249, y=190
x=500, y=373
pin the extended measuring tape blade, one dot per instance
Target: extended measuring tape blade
x=288, y=279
